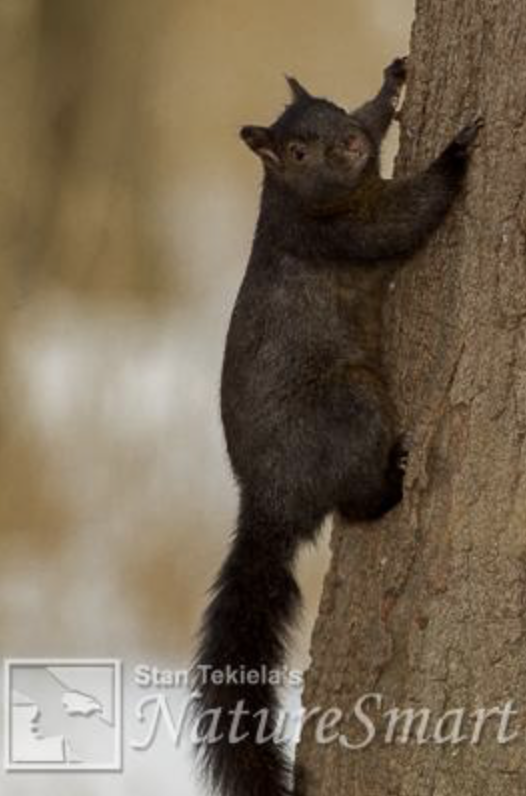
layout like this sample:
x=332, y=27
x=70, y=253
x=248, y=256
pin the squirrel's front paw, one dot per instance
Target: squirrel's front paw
x=397, y=71
x=460, y=145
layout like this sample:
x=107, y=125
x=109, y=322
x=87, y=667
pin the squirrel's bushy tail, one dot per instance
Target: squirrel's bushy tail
x=245, y=627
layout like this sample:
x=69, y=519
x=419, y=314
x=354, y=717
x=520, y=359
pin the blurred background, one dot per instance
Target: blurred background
x=127, y=206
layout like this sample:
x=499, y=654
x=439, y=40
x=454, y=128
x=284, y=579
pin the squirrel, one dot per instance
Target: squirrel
x=309, y=423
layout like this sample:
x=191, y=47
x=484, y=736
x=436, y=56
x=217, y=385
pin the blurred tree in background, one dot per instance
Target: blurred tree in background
x=79, y=146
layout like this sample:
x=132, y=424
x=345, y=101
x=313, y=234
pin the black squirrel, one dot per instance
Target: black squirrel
x=309, y=424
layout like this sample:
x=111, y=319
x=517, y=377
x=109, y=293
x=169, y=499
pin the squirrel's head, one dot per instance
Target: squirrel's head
x=315, y=148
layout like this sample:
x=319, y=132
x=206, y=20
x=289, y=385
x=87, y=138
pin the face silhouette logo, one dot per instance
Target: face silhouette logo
x=63, y=715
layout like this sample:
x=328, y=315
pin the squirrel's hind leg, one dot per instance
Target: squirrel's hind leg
x=380, y=497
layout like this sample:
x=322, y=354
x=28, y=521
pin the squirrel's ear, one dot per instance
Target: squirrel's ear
x=297, y=90
x=259, y=140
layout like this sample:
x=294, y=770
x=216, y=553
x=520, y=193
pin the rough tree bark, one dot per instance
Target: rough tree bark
x=427, y=607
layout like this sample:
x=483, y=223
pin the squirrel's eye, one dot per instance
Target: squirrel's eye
x=298, y=152
x=354, y=144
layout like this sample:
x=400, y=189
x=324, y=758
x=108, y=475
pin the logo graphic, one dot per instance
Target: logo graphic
x=63, y=715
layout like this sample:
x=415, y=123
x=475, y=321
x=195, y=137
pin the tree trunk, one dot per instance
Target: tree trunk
x=426, y=608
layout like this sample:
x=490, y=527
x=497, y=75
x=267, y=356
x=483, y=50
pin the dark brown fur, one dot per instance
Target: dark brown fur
x=309, y=423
